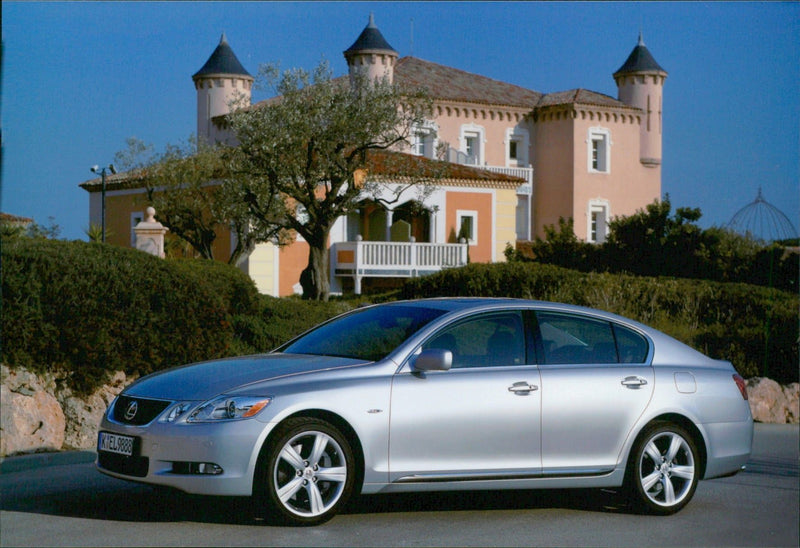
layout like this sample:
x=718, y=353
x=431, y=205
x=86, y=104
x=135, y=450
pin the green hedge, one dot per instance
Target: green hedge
x=754, y=327
x=278, y=320
x=88, y=309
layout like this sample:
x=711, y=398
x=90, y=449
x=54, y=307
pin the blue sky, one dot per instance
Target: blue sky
x=79, y=78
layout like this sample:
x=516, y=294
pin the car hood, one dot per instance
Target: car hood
x=205, y=380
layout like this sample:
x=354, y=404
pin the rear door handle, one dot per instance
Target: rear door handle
x=522, y=387
x=634, y=382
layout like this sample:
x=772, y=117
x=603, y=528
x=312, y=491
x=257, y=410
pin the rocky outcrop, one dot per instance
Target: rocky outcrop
x=31, y=419
x=771, y=402
x=39, y=413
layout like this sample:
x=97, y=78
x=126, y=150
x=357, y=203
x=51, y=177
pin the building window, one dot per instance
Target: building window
x=599, y=142
x=598, y=222
x=517, y=144
x=471, y=144
x=472, y=138
x=423, y=140
x=467, y=222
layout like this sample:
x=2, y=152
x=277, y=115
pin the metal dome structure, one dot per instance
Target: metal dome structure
x=763, y=221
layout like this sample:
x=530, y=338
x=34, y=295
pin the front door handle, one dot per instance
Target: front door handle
x=522, y=387
x=633, y=382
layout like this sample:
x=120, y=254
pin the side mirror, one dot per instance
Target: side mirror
x=434, y=359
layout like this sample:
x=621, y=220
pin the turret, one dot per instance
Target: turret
x=640, y=81
x=220, y=82
x=371, y=55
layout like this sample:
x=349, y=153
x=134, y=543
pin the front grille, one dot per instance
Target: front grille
x=129, y=466
x=137, y=411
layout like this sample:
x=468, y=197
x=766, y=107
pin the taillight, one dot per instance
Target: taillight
x=741, y=384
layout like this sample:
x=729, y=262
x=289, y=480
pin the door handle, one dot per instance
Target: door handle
x=633, y=382
x=522, y=387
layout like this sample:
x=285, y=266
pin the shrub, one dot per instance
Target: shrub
x=754, y=327
x=87, y=309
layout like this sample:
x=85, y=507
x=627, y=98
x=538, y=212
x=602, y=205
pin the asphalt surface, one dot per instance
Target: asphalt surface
x=59, y=499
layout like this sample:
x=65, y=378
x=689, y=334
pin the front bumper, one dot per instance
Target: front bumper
x=171, y=454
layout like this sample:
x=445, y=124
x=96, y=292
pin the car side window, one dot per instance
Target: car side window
x=631, y=346
x=486, y=341
x=568, y=338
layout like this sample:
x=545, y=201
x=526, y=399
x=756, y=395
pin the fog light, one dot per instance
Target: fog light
x=196, y=468
x=208, y=468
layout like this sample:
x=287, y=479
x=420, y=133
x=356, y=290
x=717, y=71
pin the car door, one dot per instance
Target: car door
x=596, y=383
x=478, y=419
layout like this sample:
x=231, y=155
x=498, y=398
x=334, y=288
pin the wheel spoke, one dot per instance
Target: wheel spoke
x=653, y=452
x=674, y=446
x=290, y=455
x=684, y=472
x=315, y=498
x=290, y=489
x=669, y=491
x=649, y=481
x=337, y=474
x=320, y=443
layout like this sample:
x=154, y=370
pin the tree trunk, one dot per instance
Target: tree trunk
x=314, y=279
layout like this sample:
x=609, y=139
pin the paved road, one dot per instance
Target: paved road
x=62, y=501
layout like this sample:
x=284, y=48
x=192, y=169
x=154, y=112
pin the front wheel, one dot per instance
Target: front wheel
x=308, y=472
x=664, y=469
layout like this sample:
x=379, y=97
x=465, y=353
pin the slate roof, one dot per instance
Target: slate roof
x=640, y=60
x=370, y=39
x=222, y=61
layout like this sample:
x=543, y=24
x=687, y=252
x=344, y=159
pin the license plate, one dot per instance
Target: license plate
x=113, y=443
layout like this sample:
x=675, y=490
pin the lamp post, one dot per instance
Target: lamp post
x=102, y=171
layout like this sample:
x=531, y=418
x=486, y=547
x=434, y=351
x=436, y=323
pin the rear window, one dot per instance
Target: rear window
x=569, y=338
x=369, y=334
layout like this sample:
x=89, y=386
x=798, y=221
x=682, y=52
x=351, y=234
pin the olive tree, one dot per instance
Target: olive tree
x=309, y=147
x=198, y=197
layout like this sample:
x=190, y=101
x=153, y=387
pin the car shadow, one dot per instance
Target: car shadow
x=102, y=498
x=590, y=500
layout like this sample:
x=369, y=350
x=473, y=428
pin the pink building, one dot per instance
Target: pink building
x=575, y=154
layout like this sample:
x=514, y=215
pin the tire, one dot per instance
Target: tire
x=306, y=474
x=663, y=470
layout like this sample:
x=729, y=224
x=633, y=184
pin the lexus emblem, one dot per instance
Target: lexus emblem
x=130, y=412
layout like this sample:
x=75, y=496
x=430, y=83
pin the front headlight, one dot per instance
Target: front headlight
x=227, y=408
x=175, y=412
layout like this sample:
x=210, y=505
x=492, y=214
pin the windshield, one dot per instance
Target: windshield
x=369, y=334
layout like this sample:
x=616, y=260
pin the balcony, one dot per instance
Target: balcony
x=361, y=259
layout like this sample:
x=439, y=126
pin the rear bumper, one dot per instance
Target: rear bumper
x=730, y=446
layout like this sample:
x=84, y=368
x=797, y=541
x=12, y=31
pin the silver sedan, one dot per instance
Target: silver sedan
x=434, y=395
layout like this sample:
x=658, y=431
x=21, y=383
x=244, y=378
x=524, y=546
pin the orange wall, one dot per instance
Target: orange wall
x=293, y=260
x=472, y=201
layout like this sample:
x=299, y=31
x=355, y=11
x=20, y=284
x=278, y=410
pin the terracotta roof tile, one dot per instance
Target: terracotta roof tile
x=451, y=84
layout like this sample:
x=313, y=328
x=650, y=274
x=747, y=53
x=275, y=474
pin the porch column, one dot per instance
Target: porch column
x=387, y=237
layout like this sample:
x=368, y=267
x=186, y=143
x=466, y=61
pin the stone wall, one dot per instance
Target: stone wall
x=38, y=413
x=771, y=402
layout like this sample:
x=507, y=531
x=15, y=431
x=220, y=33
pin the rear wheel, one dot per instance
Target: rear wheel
x=663, y=470
x=308, y=472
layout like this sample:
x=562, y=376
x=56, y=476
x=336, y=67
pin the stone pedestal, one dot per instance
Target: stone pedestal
x=150, y=234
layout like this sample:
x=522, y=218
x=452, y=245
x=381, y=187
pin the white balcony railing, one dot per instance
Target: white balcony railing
x=362, y=259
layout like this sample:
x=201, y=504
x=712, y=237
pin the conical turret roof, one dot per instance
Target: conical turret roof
x=370, y=39
x=640, y=60
x=222, y=61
